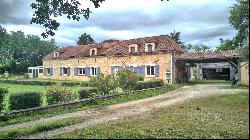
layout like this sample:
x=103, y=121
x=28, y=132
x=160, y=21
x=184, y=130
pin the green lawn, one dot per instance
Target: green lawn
x=21, y=88
x=218, y=116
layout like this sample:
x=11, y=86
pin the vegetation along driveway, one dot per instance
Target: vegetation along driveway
x=119, y=111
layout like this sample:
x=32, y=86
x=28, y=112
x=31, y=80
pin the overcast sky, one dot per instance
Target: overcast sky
x=199, y=21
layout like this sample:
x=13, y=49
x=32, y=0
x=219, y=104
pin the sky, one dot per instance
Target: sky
x=201, y=22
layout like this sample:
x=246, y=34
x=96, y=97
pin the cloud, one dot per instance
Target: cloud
x=199, y=21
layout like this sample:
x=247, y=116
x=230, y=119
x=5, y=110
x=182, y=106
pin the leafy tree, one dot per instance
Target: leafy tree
x=244, y=51
x=109, y=40
x=18, y=51
x=176, y=37
x=226, y=45
x=85, y=39
x=239, y=19
x=197, y=48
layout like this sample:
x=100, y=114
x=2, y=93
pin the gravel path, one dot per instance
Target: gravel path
x=119, y=111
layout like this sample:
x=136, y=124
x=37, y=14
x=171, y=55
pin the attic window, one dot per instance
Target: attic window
x=149, y=47
x=93, y=52
x=133, y=48
x=56, y=54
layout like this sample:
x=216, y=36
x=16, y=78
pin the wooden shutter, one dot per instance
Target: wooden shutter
x=68, y=71
x=75, y=71
x=98, y=71
x=141, y=70
x=112, y=70
x=87, y=71
x=157, y=70
x=60, y=71
x=51, y=71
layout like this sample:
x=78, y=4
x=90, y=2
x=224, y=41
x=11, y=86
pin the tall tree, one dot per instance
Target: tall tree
x=226, y=45
x=85, y=39
x=239, y=19
x=176, y=37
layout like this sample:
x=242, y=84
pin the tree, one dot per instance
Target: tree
x=45, y=10
x=176, y=37
x=244, y=51
x=196, y=48
x=85, y=39
x=239, y=19
x=18, y=51
x=109, y=40
x=226, y=45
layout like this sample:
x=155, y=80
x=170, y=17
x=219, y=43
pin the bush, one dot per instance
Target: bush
x=26, y=76
x=74, y=83
x=87, y=92
x=43, y=83
x=55, y=95
x=126, y=79
x=104, y=84
x=24, y=100
x=149, y=84
x=3, y=92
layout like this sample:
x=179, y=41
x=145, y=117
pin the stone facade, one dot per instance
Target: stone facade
x=105, y=63
x=244, y=73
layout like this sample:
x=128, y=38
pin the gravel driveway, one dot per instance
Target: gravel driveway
x=131, y=108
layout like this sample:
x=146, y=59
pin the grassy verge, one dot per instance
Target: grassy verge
x=14, y=133
x=218, y=116
x=97, y=103
x=234, y=87
x=208, y=81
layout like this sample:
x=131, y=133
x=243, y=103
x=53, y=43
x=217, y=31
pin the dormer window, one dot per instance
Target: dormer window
x=56, y=54
x=149, y=47
x=93, y=51
x=133, y=48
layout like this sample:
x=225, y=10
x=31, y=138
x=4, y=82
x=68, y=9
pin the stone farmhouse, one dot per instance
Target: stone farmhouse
x=149, y=56
x=155, y=57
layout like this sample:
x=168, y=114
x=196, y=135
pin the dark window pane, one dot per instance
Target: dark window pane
x=148, y=70
x=152, y=71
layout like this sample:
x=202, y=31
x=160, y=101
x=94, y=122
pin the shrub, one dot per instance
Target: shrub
x=44, y=83
x=55, y=95
x=87, y=92
x=74, y=83
x=26, y=76
x=104, y=84
x=126, y=79
x=149, y=84
x=3, y=92
x=24, y=100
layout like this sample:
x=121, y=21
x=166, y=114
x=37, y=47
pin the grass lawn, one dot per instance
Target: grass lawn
x=217, y=116
x=21, y=88
x=97, y=103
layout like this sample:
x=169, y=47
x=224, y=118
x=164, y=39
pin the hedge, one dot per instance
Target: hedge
x=3, y=92
x=148, y=84
x=44, y=83
x=74, y=83
x=87, y=92
x=24, y=100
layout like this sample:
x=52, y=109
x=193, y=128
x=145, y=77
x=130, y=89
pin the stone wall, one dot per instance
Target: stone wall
x=105, y=63
x=244, y=73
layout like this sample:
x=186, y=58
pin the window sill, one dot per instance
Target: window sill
x=81, y=74
x=93, y=75
x=149, y=75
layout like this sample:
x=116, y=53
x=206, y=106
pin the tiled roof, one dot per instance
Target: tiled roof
x=162, y=42
x=205, y=55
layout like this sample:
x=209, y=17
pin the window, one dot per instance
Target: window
x=40, y=70
x=150, y=70
x=132, y=67
x=30, y=71
x=133, y=48
x=46, y=71
x=93, y=71
x=149, y=47
x=93, y=52
x=64, y=70
x=168, y=75
x=81, y=71
x=56, y=54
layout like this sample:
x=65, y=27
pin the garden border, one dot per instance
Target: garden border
x=82, y=101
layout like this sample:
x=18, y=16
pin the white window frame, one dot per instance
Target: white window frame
x=56, y=54
x=133, y=46
x=95, y=70
x=79, y=69
x=90, y=52
x=149, y=65
x=116, y=68
x=66, y=67
x=47, y=71
x=146, y=47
